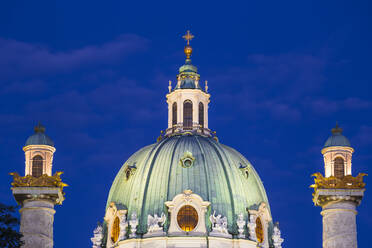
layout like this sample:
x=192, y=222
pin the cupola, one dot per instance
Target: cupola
x=337, y=153
x=187, y=101
x=39, y=150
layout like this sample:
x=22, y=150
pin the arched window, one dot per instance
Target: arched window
x=115, y=230
x=259, y=230
x=174, y=114
x=201, y=114
x=339, y=167
x=37, y=166
x=187, y=115
x=187, y=218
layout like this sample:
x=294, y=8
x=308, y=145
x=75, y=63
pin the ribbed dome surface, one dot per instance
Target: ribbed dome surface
x=217, y=175
x=39, y=139
x=337, y=140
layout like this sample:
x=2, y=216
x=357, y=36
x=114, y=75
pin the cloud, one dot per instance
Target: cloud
x=21, y=59
x=326, y=106
x=364, y=136
x=272, y=85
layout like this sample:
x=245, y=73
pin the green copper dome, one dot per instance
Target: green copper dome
x=158, y=172
x=39, y=137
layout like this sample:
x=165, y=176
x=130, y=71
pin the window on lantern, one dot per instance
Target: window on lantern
x=37, y=166
x=259, y=230
x=339, y=167
x=201, y=114
x=115, y=230
x=187, y=115
x=174, y=114
x=187, y=218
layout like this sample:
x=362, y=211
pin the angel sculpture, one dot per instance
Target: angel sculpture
x=123, y=227
x=97, y=236
x=277, y=239
x=216, y=221
x=252, y=227
x=223, y=225
x=133, y=225
x=153, y=222
x=240, y=223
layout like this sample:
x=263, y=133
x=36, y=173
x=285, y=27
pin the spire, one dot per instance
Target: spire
x=188, y=49
x=39, y=128
x=337, y=129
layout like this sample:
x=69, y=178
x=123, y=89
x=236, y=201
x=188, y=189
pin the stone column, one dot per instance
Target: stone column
x=37, y=214
x=339, y=225
x=37, y=223
x=339, y=216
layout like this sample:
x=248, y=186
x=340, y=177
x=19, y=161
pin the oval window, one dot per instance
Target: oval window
x=259, y=230
x=115, y=230
x=187, y=162
x=187, y=218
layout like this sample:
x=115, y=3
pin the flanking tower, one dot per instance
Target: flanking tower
x=338, y=193
x=38, y=191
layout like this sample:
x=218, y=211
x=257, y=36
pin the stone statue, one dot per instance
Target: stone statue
x=277, y=239
x=153, y=223
x=133, y=222
x=97, y=236
x=252, y=227
x=123, y=227
x=240, y=223
x=219, y=225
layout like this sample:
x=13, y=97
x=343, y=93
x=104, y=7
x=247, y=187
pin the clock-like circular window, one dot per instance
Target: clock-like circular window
x=115, y=230
x=259, y=230
x=187, y=218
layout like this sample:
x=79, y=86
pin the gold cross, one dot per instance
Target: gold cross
x=188, y=36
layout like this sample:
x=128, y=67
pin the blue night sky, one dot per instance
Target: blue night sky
x=95, y=73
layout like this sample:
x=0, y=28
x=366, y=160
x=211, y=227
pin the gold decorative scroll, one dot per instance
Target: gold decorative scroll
x=346, y=182
x=42, y=181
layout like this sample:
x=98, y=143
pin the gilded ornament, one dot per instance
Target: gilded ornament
x=347, y=182
x=42, y=181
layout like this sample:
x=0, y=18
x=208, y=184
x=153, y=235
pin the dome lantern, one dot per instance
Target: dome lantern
x=337, y=153
x=39, y=150
x=187, y=101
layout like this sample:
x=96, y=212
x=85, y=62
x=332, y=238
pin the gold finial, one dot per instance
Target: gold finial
x=188, y=49
x=337, y=129
x=188, y=36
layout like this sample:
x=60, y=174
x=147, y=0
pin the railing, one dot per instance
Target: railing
x=195, y=128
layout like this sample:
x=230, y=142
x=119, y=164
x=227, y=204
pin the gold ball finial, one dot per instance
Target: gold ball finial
x=188, y=49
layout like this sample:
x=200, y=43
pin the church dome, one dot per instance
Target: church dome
x=39, y=137
x=337, y=139
x=188, y=189
x=158, y=172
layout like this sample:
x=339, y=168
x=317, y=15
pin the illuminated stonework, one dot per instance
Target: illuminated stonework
x=189, y=200
x=338, y=193
x=188, y=189
x=38, y=191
